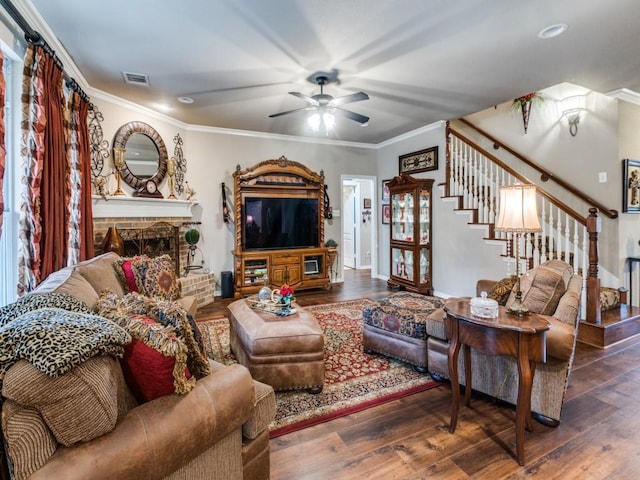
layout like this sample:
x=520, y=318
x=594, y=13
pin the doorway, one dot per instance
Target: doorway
x=358, y=222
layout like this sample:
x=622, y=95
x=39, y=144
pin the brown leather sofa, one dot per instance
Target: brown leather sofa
x=219, y=430
x=550, y=289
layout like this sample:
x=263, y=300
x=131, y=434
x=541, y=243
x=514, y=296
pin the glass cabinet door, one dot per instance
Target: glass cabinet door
x=402, y=217
x=424, y=265
x=423, y=217
x=402, y=263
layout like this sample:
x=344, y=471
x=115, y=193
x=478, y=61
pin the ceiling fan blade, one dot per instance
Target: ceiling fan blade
x=289, y=111
x=354, y=97
x=306, y=98
x=361, y=119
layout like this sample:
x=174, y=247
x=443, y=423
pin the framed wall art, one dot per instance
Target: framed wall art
x=386, y=213
x=385, y=190
x=421, y=161
x=631, y=186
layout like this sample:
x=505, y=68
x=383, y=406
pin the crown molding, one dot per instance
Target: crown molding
x=121, y=102
x=412, y=133
x=626, y=95
x=277, y=136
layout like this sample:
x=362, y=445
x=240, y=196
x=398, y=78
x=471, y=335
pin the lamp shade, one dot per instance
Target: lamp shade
x=518, y=209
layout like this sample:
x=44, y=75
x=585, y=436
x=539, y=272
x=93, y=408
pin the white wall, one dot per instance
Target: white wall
x=629, y=145
x=577, y=160
x=212, y=158
x=388, y=167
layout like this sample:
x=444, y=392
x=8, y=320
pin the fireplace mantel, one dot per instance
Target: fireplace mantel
x=134, y=207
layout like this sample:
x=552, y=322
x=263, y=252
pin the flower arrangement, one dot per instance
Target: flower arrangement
x=521, y=103
x=286, y=294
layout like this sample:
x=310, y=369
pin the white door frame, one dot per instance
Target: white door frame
x=346, y=178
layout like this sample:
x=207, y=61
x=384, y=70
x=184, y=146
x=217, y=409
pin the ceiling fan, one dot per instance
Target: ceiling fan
x=326, y=106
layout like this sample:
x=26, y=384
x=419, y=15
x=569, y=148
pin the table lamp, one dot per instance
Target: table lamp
x=518, y=214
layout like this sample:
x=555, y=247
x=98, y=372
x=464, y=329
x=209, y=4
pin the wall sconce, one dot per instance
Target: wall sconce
x=571, y=108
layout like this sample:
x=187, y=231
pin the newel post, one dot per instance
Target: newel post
x=593, y=282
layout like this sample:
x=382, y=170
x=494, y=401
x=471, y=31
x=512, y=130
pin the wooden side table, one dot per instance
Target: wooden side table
x=521, y=337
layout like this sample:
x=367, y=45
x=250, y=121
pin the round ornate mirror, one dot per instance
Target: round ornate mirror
x=145, y=155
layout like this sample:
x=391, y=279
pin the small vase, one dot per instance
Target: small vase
x=113, y=242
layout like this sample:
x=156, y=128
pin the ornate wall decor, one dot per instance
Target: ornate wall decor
x=99, y=151
x=181, y=164
x=422, y=161
x=631, y=186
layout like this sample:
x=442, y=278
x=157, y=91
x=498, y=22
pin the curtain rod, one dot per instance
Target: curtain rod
x=33, y=37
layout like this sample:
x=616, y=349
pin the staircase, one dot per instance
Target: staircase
x=473, y=179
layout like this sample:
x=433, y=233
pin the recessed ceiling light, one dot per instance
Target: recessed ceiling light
x=185, y=99
x=553, y=30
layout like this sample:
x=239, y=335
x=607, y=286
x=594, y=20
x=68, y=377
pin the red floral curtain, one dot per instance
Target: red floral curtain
x=56, y=224
x=33, y=125
x=79, y=159
x=44, y=219
x=3, y=151
x=86, y=207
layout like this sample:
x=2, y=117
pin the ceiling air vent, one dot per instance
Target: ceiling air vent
x=136, y=79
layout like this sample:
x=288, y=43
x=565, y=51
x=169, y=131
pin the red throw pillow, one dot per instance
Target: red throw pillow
x=128, y=276
x=150, y=373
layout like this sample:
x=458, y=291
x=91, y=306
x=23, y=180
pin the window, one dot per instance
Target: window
x=9, y=238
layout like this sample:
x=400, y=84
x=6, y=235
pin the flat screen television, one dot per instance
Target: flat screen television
x=279, y=223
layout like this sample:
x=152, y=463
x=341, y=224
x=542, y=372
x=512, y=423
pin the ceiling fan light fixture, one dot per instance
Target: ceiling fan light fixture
x=321, y=118
x=324, y=107
x=329, y=120
x=314, y=121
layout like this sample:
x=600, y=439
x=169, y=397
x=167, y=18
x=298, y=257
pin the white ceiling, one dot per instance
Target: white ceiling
x=420, y=61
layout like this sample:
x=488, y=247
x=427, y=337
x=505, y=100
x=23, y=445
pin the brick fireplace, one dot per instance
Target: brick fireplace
x=132, y=215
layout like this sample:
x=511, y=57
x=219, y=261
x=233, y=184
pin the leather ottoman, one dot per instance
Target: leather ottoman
x=284, y=352
x=397, y=326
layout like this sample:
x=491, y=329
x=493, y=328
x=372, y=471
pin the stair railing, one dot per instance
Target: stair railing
x=475, y=176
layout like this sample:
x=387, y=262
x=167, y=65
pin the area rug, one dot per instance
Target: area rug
x=354, y=381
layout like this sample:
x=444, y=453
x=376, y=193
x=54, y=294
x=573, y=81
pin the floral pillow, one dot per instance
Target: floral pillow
x=158, y=277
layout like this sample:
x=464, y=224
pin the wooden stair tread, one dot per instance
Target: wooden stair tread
x=623, y=314
x=616, y=325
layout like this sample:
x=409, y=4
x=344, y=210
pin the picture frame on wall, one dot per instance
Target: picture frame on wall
x=420, y=161
x=366, y=203
x=386, y=196
x=631, y=186
x=386, y=214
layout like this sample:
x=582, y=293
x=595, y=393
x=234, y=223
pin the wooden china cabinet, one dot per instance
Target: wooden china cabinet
x=410, y=226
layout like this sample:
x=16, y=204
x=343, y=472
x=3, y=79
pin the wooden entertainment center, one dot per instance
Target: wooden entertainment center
x=281, y=240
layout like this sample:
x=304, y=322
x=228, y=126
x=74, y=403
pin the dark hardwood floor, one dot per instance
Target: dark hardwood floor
x=598, y=437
